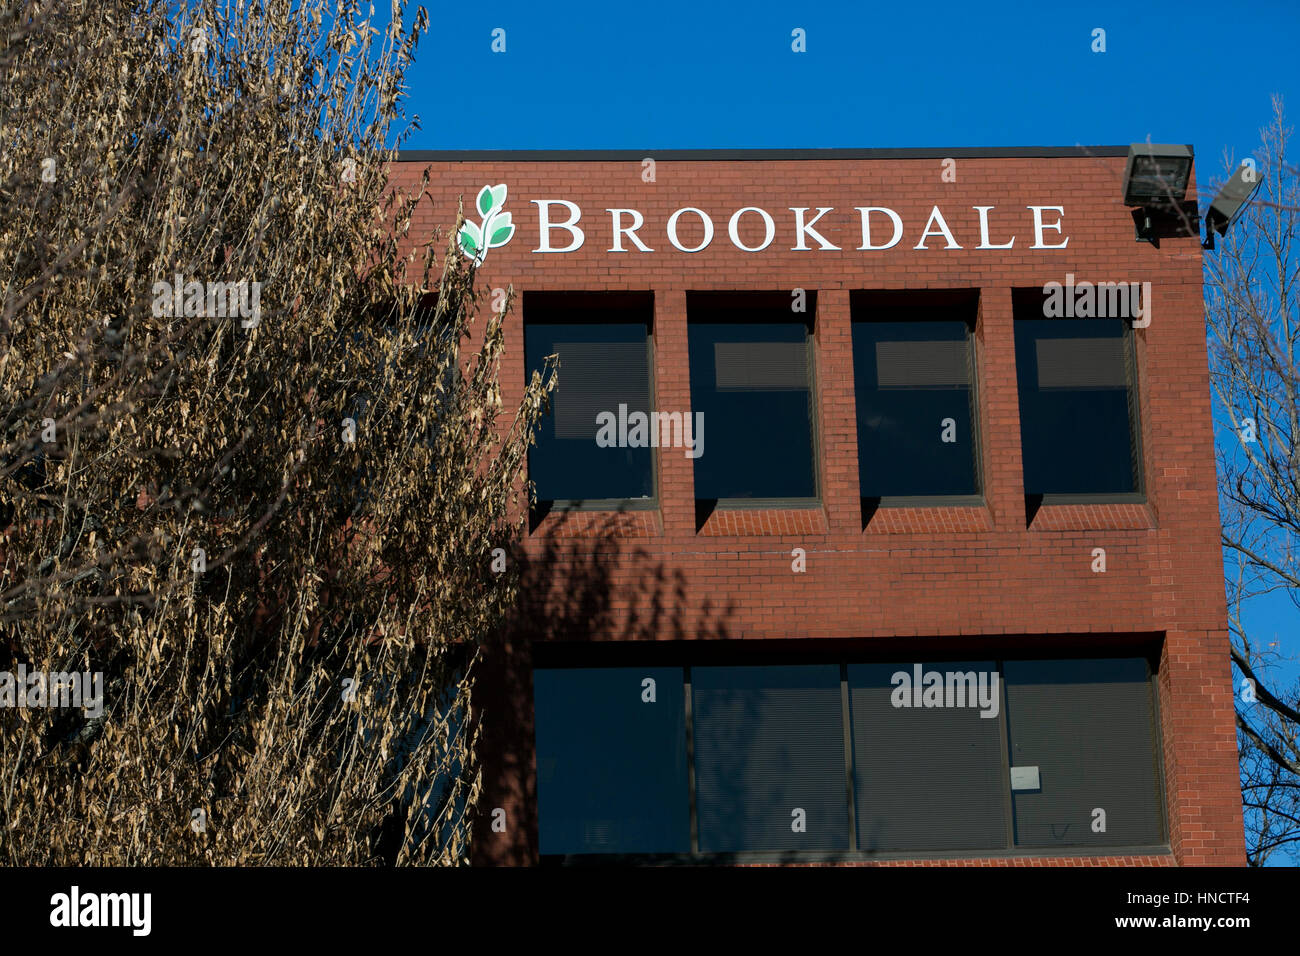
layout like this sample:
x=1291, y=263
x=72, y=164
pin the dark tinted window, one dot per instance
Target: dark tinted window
x=611, y=767
x=1087, y=727
x=751, y=377
x=1062, y=740
x=604, y=360
x=1077, y=406
x=769, y=742
x=912, y=381
x=927, y=777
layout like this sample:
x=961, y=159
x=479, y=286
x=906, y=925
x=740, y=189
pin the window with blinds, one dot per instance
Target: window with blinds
x=925, y=778
x=1088, y=729
x=1079, y=427
x=751, y=367
x=602, y=344
x=611, y=762
x=830, y=760
x=769, y=758
x=913, y=368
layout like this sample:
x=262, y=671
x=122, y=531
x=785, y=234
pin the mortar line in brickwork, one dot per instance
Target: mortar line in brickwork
x=806, y=550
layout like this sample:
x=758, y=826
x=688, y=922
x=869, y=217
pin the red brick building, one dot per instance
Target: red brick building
x=940, y=579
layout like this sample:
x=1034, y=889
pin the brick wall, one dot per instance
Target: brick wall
x=978, y=574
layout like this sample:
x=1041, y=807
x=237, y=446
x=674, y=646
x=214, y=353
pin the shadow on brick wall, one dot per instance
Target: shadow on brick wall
x=602, y=588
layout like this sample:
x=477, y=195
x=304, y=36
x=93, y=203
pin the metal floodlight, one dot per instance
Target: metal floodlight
x=1231, y=201
x=1156, y=174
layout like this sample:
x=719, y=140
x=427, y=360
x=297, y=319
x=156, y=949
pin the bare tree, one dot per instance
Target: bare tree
x=254, y=462
x=1252, y=292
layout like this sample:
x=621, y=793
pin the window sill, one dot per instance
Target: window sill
x=598, y=504
x=1090, y=513
x=743, y=518
x=1066, y=856
x=622, y=519
x=1117, y=498
x=948, y=514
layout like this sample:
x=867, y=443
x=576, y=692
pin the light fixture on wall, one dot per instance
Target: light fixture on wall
x=1155, y=181
x=1231, y=201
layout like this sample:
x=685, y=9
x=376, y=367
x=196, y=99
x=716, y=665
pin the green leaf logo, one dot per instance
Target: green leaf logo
x=471, y=238
x=502, y=230
x=494, y=231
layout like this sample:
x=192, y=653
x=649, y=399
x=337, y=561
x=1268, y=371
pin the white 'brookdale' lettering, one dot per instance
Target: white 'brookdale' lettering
x=951, y=689
x=556, y=234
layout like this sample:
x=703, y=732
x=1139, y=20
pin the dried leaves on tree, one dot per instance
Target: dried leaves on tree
x=270, y=530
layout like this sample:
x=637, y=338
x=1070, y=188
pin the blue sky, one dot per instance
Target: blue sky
x=665, y=74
